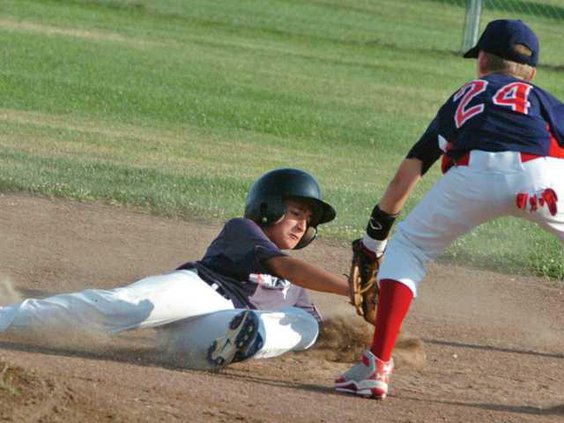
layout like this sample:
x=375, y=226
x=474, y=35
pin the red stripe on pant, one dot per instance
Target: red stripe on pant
x=393, y=304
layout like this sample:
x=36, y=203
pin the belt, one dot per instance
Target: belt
x=206, y=276
x=217, y=288
x=465, y=158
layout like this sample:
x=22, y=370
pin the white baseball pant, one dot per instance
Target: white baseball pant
x=465, y=197
x=200, y=313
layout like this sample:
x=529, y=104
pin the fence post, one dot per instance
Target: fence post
x=471, y=24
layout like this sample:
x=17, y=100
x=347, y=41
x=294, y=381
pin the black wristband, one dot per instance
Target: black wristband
x=380, y=224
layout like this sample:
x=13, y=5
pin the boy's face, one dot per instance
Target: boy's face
x=288, y=231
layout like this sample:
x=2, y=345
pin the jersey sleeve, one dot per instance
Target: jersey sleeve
x=256, y=240
x=427, y=149
x=554, y=115
x=241, y=249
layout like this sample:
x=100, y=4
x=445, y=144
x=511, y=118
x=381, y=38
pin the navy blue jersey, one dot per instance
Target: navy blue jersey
x=494, y=113
x=235, y=260
x=239, y=250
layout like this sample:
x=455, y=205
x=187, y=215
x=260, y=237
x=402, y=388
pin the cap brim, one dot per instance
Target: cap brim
x=472, y=53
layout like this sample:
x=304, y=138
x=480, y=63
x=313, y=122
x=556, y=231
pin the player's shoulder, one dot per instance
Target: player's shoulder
x=240, y=221
x=496, y=81
x=545, y=96
x=238, y=225
x=499, y=79
x=235, y=221
x=493, y=80
x=488, y=85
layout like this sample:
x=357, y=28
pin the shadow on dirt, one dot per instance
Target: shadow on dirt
x=557, y=410
x=152, y=357
x=493, y=348
x=277, y=382
x=140, y=355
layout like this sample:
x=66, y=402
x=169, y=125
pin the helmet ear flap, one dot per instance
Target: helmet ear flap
x=263, y=209
x=274, y=210
x=266, y=212
x=309, y=235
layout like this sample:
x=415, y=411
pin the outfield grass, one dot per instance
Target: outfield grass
x=176, y=106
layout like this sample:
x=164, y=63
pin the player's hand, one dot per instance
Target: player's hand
x=362, y=281
x=367, y=260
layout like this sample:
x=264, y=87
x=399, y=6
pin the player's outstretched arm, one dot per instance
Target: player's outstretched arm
x=307, y=275
x=399, y=188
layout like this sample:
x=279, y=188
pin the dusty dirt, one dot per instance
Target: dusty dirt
x=477, y=346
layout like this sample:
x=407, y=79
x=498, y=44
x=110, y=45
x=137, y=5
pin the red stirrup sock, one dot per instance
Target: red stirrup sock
x=393, y=304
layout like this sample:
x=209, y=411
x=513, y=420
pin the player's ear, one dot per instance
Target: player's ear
x=533, y=74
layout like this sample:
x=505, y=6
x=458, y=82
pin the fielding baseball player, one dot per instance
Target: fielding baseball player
x=235, y=303
x=501, y=139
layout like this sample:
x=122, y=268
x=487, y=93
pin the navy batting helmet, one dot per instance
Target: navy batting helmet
x=265, y=200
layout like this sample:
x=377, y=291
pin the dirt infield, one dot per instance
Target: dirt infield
x=477, y=346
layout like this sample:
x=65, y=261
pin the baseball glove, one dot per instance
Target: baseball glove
x=362, y=281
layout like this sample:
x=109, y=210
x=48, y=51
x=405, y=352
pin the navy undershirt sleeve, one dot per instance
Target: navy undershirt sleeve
x=427, y=148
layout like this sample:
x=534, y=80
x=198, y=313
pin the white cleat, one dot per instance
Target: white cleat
x=241, y=342
x=370, y=378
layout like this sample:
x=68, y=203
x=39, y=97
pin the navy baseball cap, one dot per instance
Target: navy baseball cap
x=500, y=38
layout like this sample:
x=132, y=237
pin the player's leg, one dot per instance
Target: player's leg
x=218, y=339
x=174, y=296
x=288, y=329
x=150, y=302
x=464, y=198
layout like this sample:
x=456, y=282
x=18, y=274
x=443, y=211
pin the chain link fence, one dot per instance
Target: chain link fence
x=442, y=25
x=545, y=17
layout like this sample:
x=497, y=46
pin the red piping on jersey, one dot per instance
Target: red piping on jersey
x=554, y=150
x=464, y=160
x=446, y=161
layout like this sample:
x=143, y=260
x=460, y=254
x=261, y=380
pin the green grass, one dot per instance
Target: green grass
x=177, y=106
x=7, y=380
